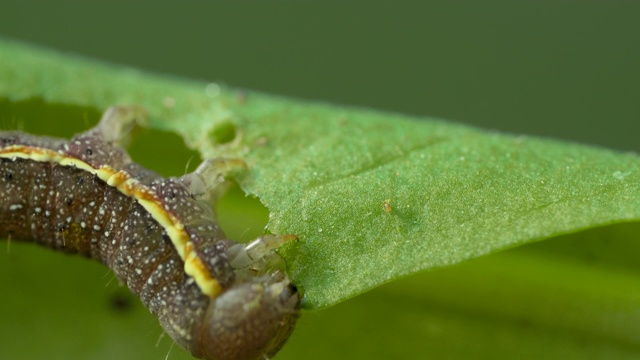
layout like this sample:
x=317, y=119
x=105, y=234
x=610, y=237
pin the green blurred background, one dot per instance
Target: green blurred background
x=561, y=69
x=564, y=69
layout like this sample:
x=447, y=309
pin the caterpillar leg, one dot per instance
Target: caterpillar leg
x=205, y=181
x=104, y=143
x=117, y=124
x=248, y=255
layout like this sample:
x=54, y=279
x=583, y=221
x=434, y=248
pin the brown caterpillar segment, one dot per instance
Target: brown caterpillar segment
x=218, y=298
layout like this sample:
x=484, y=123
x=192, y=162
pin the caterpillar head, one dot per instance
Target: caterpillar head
x=248, y=321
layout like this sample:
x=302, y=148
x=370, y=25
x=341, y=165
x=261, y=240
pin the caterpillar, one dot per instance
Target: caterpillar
x=217, y=298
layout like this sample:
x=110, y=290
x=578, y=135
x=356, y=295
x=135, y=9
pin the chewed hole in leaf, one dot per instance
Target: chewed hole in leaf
x=38, y=117
x=161, y=151
x=242, y=218
x=223, y=133
x=164, y=152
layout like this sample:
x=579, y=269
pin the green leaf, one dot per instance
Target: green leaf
x=559, y=299
x=376, y=196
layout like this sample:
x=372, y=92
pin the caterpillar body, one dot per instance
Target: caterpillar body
x=215, y=297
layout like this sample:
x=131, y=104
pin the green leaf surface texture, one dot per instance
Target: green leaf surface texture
x=375, y=196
